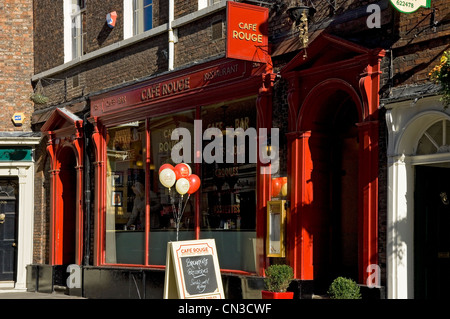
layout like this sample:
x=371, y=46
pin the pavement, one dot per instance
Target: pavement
x=12, y=293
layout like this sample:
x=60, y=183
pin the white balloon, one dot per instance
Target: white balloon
x=167, y=177
x=182, y=186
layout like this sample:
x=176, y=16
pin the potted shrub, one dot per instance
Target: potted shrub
x=277, y=280
x=344, y=288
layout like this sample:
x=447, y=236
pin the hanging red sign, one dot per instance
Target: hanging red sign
x=247, y=32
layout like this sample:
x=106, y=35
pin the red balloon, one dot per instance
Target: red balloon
x=164, y=166
x=181, y=170
x=276, y=186
x=194, y=183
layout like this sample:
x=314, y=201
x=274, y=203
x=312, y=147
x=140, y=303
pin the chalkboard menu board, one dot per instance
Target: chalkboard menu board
x=192, y=270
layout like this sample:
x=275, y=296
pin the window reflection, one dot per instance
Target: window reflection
x=228, y=197
x=162, y=224
x=125, y=184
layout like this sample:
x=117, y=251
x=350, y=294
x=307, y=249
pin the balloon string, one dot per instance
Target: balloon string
x=180, y=213
x=185, y=204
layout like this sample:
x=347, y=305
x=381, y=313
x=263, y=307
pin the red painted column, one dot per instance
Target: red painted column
x=263, y=171
x=78, y=143
x=99, y=176
x=299, y=219
x=368, y=197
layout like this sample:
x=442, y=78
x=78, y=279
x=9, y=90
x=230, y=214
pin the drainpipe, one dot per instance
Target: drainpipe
x=87, y=192
x=171, y=37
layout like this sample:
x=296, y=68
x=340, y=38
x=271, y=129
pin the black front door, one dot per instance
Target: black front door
x=8, y=243
x=432, y=232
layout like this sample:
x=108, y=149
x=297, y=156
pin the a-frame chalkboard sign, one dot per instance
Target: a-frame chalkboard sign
x=192, y=270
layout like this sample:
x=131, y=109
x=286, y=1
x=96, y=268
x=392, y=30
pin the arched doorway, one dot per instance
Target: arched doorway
x=418, y=244
x=65, y=149
x=432, y=215
x=66, y=197
x=331, y=117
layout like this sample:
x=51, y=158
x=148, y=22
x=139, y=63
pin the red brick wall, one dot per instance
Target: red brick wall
x=16, y=62
x=419, y=47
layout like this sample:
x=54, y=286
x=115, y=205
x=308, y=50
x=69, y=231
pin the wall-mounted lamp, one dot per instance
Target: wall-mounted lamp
x=300, y=15
x=111, y=19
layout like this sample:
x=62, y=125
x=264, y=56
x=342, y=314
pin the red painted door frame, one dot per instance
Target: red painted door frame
x=65, y=131
x=309, y=80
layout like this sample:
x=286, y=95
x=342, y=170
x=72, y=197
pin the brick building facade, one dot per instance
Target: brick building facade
x=373, y=72
x=17, y=141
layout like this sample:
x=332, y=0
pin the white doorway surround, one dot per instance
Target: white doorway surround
x=24, y=171
x=410, y=126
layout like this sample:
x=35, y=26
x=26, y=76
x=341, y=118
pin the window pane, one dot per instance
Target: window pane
x=162, y=218
x=142, y=15
x=148, y=15
x=228, y=198
x=125, y=194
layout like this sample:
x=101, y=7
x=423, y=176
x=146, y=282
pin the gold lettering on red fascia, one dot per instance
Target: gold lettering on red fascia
x=221, y=72
x=247, y=32
x=165, y=89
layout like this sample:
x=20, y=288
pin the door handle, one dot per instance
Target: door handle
x=13, y=244
x=2, y=218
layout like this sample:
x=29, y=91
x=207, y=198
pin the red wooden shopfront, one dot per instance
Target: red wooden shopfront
x=333, y=93
x=209, y=83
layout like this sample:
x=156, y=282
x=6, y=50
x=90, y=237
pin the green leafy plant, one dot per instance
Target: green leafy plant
x=440, y=74
x=278, y=278
x=344, y=288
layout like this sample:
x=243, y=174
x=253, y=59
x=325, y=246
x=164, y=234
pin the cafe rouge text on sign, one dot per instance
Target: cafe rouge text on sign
x=247, y=32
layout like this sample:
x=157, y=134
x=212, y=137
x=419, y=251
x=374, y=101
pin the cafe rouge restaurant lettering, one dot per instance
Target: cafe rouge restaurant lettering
x=156, y=90
x=247, y=32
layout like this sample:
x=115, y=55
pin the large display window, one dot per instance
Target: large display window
x=228, y=193
x=163, y=225
x=125, y=194
x=140, y=216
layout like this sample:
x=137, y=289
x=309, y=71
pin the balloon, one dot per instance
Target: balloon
x=164, y=166
x=181, y=171
x=167, y=177
x=284, y=189
x=182, y=186
x=190, y=169
x=194, y=183
x=276, y=186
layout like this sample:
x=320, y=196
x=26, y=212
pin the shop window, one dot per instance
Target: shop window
x=125, y=194
x=162, y=219
x=436, y=139
x=228, y=197
x=224, y=208
x=142, y=15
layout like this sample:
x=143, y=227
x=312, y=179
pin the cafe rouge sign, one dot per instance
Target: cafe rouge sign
x=247, y=32
x=161, y=88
